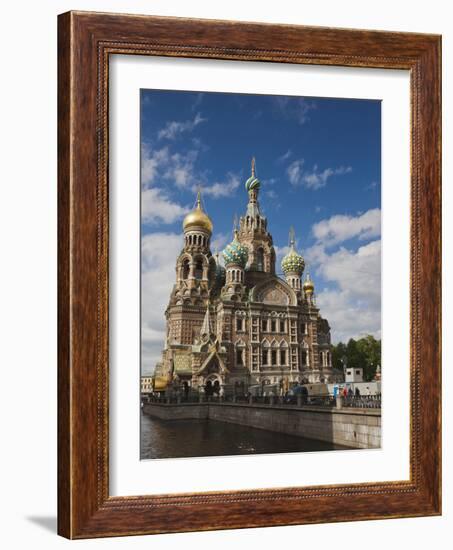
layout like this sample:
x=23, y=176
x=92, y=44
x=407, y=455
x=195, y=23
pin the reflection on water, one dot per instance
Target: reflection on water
x=189, y=438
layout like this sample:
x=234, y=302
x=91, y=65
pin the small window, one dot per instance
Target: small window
x=282, y=326
x=239, y=324
x=349, y=372
x=357, y=372
x=303, y=328
x=198, y=270
x=304, y=357
x=264, y=325
x=260, y=259
x=239, y=358
x=273, y=325
x=282, y=357
x=265, y=357
x=274, y=357
x=185, y=269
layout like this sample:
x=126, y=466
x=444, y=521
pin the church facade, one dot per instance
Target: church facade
x=236, y=324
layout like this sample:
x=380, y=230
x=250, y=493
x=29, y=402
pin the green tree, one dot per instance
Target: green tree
x=338, y=352
x=371, y=350
x=364, y=352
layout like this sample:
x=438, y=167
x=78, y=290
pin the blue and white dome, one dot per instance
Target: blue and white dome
x=253, y=182
x=236, y=253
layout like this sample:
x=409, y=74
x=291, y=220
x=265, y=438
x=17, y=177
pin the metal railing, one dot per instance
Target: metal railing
x=300, y=400
x=362, y=401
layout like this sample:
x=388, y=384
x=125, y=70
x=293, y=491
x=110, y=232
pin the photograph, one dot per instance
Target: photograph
x=260, y=274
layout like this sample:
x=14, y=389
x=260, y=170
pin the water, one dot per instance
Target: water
x=189, y=438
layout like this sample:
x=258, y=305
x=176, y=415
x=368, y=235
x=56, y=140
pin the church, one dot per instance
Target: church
x=235, y=325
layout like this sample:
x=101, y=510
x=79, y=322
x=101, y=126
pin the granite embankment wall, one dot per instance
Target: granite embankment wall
x=356, y=428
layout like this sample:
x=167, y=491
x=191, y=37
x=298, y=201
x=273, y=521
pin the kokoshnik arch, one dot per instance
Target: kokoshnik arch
x=232, y=326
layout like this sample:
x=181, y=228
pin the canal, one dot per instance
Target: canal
x=191, y=438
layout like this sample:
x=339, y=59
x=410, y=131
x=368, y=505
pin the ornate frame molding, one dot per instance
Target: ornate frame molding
x=86, y=41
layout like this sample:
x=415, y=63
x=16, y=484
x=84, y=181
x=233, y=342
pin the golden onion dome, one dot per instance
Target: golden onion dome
x=197, y=219
x=308, y=286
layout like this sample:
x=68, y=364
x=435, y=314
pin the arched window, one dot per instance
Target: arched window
x=198, y=273
x=260, y=259
x=185, y=269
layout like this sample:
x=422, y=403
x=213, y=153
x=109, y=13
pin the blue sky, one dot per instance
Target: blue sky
x=319, y=161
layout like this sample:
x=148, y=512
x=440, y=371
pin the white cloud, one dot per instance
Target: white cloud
x=313, y=179
x=353, y=302
x=222, y=189
x=151, y=162
x=347, y=317
x=219, y=241
x=198, y=99
x=180, y=169
x=353, y=307
x=159, y=254
x=173, y=129
x=340, y=228
x=357, y=272
x=285, y=156
x=163, y=165
x=271, y=194
x=296, y=108
x=157, y=207
x=371, y=186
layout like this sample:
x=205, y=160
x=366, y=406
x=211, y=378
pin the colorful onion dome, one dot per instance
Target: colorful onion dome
x=236, y=253
x=197, y=218
x=220, y=272
x=253, y=182
x=293, y=262
x=308, y=285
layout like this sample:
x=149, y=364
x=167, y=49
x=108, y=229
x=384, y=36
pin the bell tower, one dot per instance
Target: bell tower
x=195, y=267
x=253, y=229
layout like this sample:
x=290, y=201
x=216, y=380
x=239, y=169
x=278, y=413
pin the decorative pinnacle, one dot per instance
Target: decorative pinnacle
x=199, y=199
x=292, y=237
x=253, y=167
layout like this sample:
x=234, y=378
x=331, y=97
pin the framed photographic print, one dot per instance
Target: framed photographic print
x=249, y=275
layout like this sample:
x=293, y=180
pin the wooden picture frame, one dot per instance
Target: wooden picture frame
x=85, y=41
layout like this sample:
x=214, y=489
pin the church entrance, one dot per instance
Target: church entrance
x=213, y=385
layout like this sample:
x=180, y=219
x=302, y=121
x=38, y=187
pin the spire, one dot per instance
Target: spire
x=199, y=199
x=253, y=167
x=206, y=327
x=292, y=237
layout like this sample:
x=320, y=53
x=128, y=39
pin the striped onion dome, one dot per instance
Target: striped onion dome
x=253, y=182
x=235, y=253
